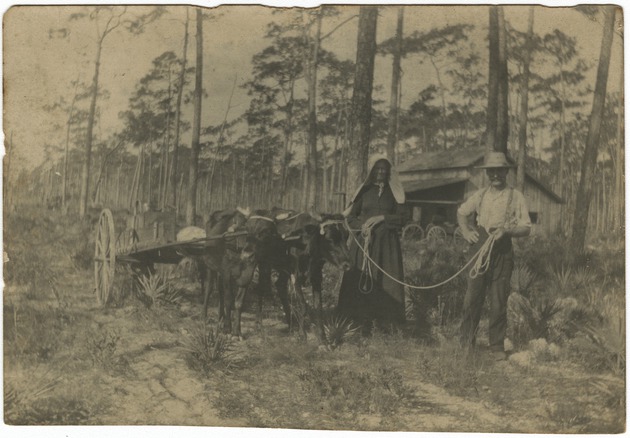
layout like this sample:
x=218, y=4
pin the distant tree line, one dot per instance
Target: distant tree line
x=302, y=141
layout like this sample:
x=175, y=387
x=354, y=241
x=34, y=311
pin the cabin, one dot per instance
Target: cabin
x=436, y=183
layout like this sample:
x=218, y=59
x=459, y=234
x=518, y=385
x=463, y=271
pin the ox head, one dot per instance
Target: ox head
x=223, y=221
x=332, y=237
x=261, y=228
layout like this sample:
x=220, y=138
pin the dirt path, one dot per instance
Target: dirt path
x=147, y=378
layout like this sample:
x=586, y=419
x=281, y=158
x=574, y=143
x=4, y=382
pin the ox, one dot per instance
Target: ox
x=264, y=249
x=210, y=260
x=313, y=240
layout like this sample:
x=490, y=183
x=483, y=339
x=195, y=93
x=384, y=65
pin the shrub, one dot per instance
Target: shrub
x=523, y=279
x=530, y=319
x=610, y=338
x=439, y=261
x=337, y=331
x=207, y=349
x=101, y=346
x=154, y=289
x=35, y=333
x=20, y=405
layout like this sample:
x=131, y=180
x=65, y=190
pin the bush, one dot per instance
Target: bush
x=207, y=349
x=101, y=346
x=337, y=331
x=610, y=339
x=35, y=333
x=154, y=289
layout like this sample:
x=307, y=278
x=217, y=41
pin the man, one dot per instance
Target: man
x=501, y=212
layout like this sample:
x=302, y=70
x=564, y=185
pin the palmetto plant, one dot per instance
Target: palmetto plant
x=523, y=279
x=18, y=403
x=610, y=338
x=156, y=289
x=583, y=277
x=207, y=348
x=538, y=316
x=338, y=330
x=562, y=278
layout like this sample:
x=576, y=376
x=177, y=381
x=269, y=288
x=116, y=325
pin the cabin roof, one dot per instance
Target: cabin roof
x=454, y=159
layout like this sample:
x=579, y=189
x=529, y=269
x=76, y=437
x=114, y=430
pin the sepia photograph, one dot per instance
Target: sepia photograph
x=341, y=217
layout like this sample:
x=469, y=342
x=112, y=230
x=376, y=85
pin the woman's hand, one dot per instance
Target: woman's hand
x=371, y=222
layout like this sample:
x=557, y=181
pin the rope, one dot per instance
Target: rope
x=366, y=281
x=481, y=258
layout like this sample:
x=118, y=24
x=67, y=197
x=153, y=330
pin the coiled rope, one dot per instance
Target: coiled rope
x=366, y=281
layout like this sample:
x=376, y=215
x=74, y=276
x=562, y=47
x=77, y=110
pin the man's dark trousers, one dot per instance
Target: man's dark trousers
x=496, y=282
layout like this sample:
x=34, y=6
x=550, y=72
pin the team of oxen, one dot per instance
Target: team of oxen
x=292, y=245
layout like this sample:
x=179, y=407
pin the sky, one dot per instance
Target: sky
x=38, y=66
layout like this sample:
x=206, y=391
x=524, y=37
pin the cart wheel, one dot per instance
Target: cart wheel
x=436, y=232
x=104, y=256
x=412, y=232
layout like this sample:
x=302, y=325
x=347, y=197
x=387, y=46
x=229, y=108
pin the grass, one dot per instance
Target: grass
x=273, y=379
x=452, y=367
x=341, y=392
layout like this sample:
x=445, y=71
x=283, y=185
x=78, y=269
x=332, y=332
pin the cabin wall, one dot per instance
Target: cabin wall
x=544, y=211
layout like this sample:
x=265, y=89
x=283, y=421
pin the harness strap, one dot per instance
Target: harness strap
x=263, y=218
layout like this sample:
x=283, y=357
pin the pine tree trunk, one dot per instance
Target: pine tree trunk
x=392, y=125
x=85, y=176
x=589, y=161
x=67, y=149
x=503, y=131
x=178, y=112
x=493, y=78
x=524, y=105
x=191, y=207
x=311, y=164
x=362, y=98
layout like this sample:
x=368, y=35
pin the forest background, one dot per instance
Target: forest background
x=254, y=123
x=255, y=103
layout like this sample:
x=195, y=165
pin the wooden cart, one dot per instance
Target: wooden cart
x=147, y=238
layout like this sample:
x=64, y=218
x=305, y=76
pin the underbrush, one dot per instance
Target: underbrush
x=341, y=392
x=557, y=295
x=207, y=349
x=452, y=367
x=36, y=334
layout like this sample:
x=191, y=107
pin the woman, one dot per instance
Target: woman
x=376, y=215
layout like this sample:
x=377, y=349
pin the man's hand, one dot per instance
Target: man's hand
x=470, y=235
x=500, y=232
x=367, y=226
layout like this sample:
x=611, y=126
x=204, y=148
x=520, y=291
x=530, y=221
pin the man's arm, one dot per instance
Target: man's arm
x=469, y=234
x=523, y=225
x=463, y=213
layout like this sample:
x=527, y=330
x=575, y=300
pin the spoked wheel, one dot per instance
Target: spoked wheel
x=104, y=256
x=412, y=232
x=436, y=232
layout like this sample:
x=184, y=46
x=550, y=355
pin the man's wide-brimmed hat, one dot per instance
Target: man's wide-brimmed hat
x=495, y=160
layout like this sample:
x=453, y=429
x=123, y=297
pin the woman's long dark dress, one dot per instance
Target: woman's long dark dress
x=385, y=302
